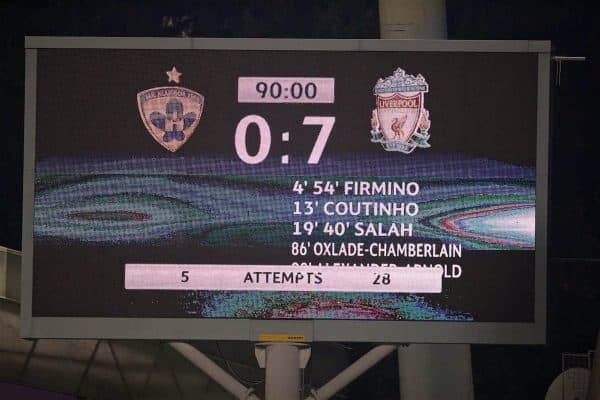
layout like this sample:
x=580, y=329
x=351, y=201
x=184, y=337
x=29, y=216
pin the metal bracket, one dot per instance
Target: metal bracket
x=559, y=60
x=260, y=351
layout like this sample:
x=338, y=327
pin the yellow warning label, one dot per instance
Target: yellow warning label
x=280, y=337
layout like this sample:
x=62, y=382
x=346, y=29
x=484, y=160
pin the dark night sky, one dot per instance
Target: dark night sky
x=574, y=241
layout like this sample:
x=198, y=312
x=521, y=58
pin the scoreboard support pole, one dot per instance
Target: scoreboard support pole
x=282, y=362
x=427, y=371
x=412, y=19
x=435, y=371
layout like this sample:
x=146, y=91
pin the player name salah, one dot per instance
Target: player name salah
x=359, y=249
x=380, y=229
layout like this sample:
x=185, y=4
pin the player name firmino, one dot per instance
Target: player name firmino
x=385, y=188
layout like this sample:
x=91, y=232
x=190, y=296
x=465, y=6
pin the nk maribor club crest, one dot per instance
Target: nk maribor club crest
x=170, y=113
x=400, y=122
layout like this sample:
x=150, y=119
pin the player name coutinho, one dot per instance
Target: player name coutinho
x=370, y=208
x=386, y=188
x=360, y=249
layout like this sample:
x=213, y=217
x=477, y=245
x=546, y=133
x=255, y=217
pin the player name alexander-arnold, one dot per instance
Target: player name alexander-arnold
x=359, y=249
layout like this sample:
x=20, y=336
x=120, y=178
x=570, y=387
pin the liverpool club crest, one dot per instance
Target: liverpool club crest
x=170, y=113
x=400, y=122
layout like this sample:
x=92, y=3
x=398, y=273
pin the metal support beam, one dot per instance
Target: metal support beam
x=27, y=360
x=215, y=372
x=283, y=363
x=88, y=365
x=282, y=371
x=119, y=370
x=355, y=370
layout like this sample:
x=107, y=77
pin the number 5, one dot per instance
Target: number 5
x=185, y=276
x=326, y=128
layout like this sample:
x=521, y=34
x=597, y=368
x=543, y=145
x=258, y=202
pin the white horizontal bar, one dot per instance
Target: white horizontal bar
x=568, y=58
x=282, y=278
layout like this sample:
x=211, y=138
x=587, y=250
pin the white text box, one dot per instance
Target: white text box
x=263, y=89
x=282, y=278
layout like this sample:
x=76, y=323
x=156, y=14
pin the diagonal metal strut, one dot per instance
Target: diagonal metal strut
x=353, y=371
x=214, y=371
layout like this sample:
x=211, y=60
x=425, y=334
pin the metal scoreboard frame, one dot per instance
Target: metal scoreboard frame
x=307, y=330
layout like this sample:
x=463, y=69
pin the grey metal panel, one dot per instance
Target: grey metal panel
x=65, y=42
x=140, y=328
x=540, y=46
x=513, y=46
x=517, y=46
x=318, y=330
x=28, y=176
x=276, y=44
x=427, y=332
x=13, y=276
x=542, y=179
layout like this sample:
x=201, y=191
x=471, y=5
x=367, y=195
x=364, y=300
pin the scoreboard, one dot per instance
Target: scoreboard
x=333, y=190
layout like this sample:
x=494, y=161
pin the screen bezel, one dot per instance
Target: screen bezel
x=311, y=330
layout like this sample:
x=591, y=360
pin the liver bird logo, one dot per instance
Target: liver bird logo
x=397, y=125
x=400, y=121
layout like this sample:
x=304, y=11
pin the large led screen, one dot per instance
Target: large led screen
x=285, y=185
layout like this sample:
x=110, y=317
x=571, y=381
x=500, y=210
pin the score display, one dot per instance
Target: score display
x=355, y=191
